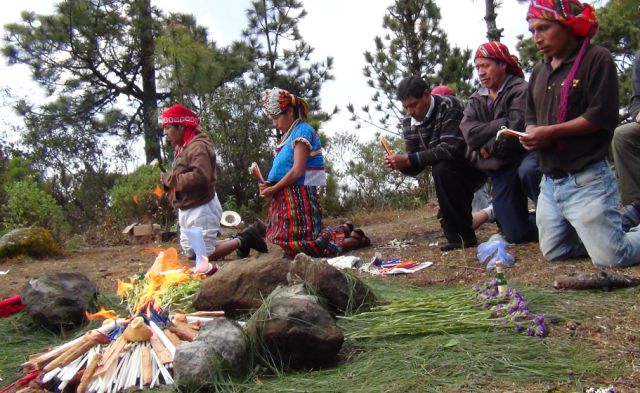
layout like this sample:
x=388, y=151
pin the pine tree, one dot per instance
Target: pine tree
x=283, y=56
x=414, y=45
x=91, y=56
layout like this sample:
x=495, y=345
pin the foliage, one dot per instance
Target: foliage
x=95, y=57
x=620, y=33
x=191, y=66
x=137, y=197
x=414, y=45
x=488, y=361
x=86, y=201
x=240, y=134
x=283, y=57
x=36, y=242
x=365, y=182
x=29, y=205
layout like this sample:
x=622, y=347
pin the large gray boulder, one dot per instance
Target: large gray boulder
x=239, y=287
x=59, y=300
x=35, y=242
x=343, y=293
x=294, y=331
x=220, y=351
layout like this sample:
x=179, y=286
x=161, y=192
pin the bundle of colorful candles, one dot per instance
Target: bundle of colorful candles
x=133, y=352
x=122, y=354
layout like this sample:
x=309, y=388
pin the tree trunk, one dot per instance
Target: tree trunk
x=493, y=33
x=151, y=131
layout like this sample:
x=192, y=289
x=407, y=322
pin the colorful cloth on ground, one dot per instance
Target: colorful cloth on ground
x=276, y=101
x=442, y=90
x=11, y=305
x=180, y=114
x=314, y=174
x=295, y=223
x=579, y=17
x=499, y=52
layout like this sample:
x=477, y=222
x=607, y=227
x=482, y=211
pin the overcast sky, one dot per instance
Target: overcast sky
x=343, y=29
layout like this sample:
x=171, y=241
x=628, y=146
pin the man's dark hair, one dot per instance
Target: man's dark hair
x=411, y=86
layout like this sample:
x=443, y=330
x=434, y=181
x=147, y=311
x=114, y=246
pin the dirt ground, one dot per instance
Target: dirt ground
x=411, y=235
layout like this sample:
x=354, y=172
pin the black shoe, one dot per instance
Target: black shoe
x=252, y=237
x=455, y=245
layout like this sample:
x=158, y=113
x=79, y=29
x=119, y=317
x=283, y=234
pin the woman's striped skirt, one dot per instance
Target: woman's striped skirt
x=295, y=224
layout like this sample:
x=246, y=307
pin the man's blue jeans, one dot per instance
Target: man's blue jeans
x=578, y=215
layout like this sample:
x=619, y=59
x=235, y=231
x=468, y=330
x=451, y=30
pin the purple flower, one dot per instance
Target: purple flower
x=542, y=331
x=531, y=332
x=519, y=328
x=540, y=319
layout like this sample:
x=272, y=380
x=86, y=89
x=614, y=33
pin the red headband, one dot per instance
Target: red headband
x=180, y=114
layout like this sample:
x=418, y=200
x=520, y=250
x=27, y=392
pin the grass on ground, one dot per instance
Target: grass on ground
x=480, y=360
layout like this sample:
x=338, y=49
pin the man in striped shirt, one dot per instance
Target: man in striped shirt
x=433, y=140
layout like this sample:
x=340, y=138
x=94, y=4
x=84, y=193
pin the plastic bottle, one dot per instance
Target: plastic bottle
x=502, y=279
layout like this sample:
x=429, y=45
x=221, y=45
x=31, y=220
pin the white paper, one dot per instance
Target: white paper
x=403, y=270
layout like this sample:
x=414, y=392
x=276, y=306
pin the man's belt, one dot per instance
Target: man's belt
x=558, y=174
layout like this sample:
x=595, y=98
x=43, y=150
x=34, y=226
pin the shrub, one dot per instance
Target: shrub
x=29, y=205
x=138, y=197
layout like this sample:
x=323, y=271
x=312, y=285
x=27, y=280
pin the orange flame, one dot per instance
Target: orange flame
x=158, y=192
x=102, y=314
x=165, y=272
x=123, y=287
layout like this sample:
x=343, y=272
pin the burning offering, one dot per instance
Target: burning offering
x=133, y=352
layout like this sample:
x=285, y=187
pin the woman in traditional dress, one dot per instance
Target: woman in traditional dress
x=295, y=214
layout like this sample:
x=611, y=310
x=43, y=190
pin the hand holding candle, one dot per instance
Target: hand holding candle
x=385, y=145
x=255, y=171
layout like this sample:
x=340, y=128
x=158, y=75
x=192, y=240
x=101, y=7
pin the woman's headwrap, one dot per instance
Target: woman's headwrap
x=499, y=52
x=276, y=101
x=180, y=114
x=580, y=19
